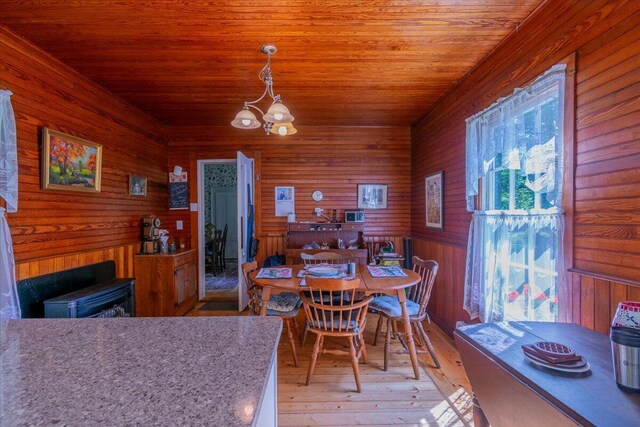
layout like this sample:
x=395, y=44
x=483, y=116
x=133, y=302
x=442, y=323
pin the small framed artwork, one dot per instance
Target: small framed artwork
x=70, y=163
x=433, y=200
x=372, y=196
x=285, y=201
x=137, y=186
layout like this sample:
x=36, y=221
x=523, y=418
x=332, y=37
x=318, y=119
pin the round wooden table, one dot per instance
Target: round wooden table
x=368, y=284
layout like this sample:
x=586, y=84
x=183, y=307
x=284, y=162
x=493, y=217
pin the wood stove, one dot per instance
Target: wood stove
x=89, y=291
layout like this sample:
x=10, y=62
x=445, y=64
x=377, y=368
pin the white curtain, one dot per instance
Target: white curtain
x=514, y=267
x=498, y=137
x=9, y=307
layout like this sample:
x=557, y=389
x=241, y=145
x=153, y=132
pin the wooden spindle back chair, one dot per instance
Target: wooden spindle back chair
x=417, y=302
x=255, y=304
x=336, y=316
x=324, y=258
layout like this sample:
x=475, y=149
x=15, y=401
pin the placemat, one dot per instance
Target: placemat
x=275, y=273
x=390, y=271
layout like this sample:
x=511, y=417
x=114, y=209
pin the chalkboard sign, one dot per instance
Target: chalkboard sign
x=178, y=195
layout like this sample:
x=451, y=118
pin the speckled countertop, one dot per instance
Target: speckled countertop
x=135, y=371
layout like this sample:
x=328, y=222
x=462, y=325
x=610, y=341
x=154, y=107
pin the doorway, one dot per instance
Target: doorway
x=219, y=231
x=225, y=203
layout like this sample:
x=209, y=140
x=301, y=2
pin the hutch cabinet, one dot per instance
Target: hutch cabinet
x=302, y=233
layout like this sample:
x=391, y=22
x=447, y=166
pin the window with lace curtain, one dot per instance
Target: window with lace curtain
x=514, y=160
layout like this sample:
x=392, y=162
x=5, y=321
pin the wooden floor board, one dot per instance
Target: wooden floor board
x=392, y=398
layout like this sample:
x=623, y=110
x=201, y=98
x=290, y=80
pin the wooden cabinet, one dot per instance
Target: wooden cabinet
x=302, y=233
x=166, y=284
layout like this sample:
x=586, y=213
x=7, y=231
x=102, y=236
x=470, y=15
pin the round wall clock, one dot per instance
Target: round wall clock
x=317, y=195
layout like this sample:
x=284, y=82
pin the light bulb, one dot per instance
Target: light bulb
x=282, y=130
x=246, y=122
x=278, y=116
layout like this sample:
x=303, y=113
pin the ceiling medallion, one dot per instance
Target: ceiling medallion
x=277, y=119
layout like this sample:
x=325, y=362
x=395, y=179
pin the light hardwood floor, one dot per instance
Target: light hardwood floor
x=441, y=397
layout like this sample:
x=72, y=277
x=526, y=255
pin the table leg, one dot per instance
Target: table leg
x=266, y=296
x=402, y=298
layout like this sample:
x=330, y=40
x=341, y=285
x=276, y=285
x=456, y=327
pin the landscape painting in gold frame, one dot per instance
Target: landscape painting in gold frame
x=70, y=163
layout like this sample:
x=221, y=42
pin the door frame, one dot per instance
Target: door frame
x=201, y=218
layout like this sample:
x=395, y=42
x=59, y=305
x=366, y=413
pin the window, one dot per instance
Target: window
x=514, y=151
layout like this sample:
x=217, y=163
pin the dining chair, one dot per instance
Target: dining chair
x=321, y=258
x=222, y=247
x=214, y=247
x=417, y=300
x=285, y=305
x=324, y=258
x=336, y=317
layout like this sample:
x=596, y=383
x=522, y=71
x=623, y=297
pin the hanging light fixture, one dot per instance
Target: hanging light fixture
x=277, y=119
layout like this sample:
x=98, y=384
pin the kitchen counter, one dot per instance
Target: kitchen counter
x=146, y=371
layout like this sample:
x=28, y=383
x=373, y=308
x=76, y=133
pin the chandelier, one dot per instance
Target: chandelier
x=277, y=119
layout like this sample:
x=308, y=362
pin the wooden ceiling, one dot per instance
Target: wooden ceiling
x=339, y=63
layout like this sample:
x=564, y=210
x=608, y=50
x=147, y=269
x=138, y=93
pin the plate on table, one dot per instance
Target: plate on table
x=581, y=367
x=323, y=271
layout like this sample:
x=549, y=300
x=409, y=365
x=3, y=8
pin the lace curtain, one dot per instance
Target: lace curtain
x=514, y=268
x=517, y=269
x=9, y=307
x=499, y=138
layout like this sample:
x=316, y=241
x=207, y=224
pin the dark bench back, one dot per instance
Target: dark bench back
x=34, y=291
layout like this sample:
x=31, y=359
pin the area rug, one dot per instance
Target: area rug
x=219, y=306
x=225, y=281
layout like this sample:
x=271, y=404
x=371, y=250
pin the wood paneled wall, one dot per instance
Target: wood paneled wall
x=333, y=160
x=604, y=35
x=122, y=255
x=46, y=93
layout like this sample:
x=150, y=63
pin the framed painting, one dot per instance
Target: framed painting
x=433, y=200
x=137, y=186
x=372, y=196
x=70, y=163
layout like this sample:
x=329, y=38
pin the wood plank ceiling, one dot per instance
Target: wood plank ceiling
x=340, y=62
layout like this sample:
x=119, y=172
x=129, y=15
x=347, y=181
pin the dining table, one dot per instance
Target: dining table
x=368, y=285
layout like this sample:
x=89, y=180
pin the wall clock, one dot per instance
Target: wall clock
x=317, y=195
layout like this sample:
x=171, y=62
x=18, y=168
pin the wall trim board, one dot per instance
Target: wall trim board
x=595, y=275
x=121, y=254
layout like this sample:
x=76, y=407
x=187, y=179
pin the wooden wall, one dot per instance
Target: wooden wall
x=333, y=160
x=605, y=38
x=54, y=230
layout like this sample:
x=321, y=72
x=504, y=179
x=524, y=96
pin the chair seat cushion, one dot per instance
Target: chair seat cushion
x=390, y=306
x=283, y=303
x=325, y=321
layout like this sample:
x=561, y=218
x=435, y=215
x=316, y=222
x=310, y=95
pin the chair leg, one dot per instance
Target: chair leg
x=304, y=334
x=354, y=363
x=314, y=358
x=363, y=348
x=375, y=337
x=296, y=328
x=292, y=342
x=387, y=344
x=429, y=345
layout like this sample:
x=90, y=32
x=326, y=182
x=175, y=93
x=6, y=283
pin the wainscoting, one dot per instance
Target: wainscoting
x=122, y=255
x=594, y=300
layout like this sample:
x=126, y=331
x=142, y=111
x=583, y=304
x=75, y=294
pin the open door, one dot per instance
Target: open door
x=245, y=222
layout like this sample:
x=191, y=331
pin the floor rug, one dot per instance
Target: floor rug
x=219, y=306
x=224, y=281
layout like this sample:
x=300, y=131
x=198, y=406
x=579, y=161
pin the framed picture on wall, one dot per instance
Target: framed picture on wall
x=137, y=186
x=70, y=163
x=433, y=200
x=372, y=196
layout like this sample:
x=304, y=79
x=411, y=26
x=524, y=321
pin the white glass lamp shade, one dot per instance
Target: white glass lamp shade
x=283, y=129
x=245, y=119
x=278, y=113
